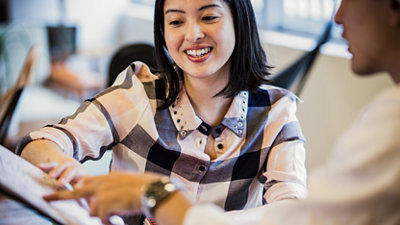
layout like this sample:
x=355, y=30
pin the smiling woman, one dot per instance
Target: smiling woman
x=204, y=118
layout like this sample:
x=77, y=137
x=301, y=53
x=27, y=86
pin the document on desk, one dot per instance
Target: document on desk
x=29, y=183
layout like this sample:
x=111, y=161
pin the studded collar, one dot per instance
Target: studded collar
x=186, y=120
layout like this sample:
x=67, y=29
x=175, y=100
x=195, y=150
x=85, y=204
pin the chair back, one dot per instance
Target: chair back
x=128, y=54
x=9, y=101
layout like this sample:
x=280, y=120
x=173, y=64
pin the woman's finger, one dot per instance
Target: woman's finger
x=58, y=170
x=46, y=167
x=71, y=173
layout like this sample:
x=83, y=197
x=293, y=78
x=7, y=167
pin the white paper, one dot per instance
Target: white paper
x=29, y=183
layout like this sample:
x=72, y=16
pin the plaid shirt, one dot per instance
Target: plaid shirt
x=259, y=144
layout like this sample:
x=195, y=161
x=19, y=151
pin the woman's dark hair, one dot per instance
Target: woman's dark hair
x=249, y=66
x=396, y=4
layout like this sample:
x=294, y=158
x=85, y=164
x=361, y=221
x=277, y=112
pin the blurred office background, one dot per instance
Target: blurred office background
x=332, y=94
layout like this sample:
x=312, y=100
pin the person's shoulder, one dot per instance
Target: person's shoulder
x=391, y=93
x=142, y=72
x=134, y=74
x=267, y=95
x=386, y=102
x=387, y=98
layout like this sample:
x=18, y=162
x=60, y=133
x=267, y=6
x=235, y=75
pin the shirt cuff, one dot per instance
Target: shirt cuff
x=215, y=216
x=285, y=190
x=50, y=134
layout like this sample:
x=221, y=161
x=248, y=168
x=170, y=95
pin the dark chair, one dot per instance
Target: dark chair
x=297, y=72
x=9, y=100
x=130, y=53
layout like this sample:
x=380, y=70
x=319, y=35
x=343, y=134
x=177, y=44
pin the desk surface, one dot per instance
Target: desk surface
x=13, y=212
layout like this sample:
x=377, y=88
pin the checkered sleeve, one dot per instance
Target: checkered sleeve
x=100, y=122
x=285, y=175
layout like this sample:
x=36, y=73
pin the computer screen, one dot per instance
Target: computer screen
x=62, y=41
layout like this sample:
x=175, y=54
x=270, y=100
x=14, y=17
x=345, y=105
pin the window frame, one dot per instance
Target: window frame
x=271, y=16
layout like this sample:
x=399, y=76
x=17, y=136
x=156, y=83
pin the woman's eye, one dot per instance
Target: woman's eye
x=175, y=22
x=209, y=18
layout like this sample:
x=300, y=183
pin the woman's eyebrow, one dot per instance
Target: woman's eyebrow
x=174, y=11
x=209, y=6
x=200, y=9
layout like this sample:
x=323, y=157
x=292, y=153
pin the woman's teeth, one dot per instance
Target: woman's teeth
x=199, y=52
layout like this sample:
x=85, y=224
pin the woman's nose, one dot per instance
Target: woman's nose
x=194, y=32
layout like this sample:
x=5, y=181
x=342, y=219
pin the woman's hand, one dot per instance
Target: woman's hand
x=49, y=157
x=117, y=193
x=65, y=170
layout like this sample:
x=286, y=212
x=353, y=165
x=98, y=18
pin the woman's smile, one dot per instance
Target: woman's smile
x=198, y=54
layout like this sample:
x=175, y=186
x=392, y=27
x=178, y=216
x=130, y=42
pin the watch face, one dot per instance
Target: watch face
x=157, y=192
x=150, y=202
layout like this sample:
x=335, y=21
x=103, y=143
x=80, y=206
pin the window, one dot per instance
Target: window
x=146, y=2
x=301, y=17
x=304, y=17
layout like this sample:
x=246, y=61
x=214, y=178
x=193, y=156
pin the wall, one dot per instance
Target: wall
x=332, y=97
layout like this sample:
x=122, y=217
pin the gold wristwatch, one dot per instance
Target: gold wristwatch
x=155, y=193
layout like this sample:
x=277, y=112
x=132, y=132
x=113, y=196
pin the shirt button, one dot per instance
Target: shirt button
x=220, y=146
x=183, y=133
x=202, y=168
